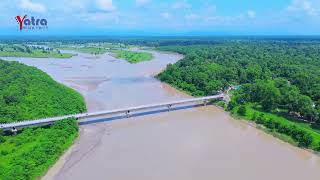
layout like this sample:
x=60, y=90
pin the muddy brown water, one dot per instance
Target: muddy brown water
x=195, y=143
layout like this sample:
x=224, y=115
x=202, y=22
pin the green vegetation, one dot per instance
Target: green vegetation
x=278, y=78
x=82, y=44
x=28, y=93
x=277, y=96
x=18, y=50
x=88, y=50
x=133, y=57
x=29, y=154
x=91, y=50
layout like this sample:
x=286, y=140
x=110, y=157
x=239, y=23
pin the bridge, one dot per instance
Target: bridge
x=125, y=111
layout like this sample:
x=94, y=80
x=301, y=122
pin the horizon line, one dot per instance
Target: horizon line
x=159, y=35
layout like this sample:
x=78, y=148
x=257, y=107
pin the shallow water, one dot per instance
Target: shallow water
x=195, y=143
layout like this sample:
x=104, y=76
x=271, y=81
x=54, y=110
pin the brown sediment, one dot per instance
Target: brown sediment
x=92, y=57
x=61, y=65
x=86, y=83
x=87, y=66
x=94, y=105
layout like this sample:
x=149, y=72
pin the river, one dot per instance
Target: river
x=196, y=143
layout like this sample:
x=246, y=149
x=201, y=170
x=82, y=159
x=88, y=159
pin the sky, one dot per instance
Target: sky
x=164, y=17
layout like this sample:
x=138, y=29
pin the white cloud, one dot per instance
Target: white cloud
x=30, y=6
x=251, y=14
x=106, y=5
x=305, y=6
x=142, y=2
x=165, y=15
x=225, y=19
x=192, y=16
x=99, y=17
x=181, y=5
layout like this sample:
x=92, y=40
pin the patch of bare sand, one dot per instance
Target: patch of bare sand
x=85, y=65
x=60, y=65
x=86, y=83
x=92, y=57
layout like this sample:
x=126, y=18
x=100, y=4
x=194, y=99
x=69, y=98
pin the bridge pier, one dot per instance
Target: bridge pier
x=14, y=130
x=205, y=102
x=128, y=114
x=169, y=107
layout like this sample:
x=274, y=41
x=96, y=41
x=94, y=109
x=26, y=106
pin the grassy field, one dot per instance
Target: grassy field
x=28, y=93
x=133, y=57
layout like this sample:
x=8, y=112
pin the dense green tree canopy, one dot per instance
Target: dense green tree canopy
x=207, y=69
x=28, y=93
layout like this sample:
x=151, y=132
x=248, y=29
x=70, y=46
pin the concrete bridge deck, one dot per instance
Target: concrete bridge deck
x=127, y=111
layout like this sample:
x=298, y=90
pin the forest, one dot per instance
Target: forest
x=28, y=93
x=279, y=78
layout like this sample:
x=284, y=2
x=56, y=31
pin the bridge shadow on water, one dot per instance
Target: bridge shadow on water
x=145, y=113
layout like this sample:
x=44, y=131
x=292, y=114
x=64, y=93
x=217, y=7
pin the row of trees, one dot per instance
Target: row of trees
x=15, y=49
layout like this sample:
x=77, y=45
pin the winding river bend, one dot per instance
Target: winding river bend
x=199, y=143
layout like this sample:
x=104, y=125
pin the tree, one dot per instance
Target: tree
x=253, y=73
x=263, y=92
x=271, y=97
x=305, y=140
x=28, y=50
x=212, y=87
x=254, y=116
x=232, y=104
x=289, y=97
x=317, y=120
x=242, y=110
x=305, y=107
